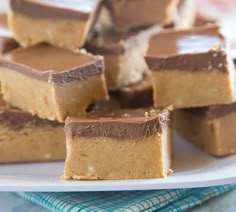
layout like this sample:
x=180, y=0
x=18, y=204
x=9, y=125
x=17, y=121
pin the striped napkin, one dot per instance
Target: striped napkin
x=156, y=200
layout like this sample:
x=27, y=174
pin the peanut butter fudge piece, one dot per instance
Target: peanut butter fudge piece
x=128, y=14
x=27, y=138
x=128, y=144
x=210, y=128
x=137, y=95
x=123, y=55
x=61, y=23
x=191, y=68
x=51, y=82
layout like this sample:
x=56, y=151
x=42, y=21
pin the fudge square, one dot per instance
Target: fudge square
x=125, y=144
x=61, y=23
x=129, y=14
x=209, y=128
x=27, y=138
x=123, y=55
x=191, y=68
x=52, y=82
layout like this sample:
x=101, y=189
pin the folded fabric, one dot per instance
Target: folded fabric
x=156, y=200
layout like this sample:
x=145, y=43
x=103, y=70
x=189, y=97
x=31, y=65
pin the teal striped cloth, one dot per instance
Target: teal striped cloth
x=156, y=200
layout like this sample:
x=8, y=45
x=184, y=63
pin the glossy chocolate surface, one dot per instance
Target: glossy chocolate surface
x=196, y=49
x=55, y=64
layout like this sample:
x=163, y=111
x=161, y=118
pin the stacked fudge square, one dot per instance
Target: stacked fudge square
x=111, y=72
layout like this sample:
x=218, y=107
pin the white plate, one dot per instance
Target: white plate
x=192, y=168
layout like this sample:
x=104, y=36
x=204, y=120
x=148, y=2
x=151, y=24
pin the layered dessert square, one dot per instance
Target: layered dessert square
x=52, y=82
x=124, y=144
x=27, y=138
x=123, y=55
x=209, y=128
x=191, y=68
x=61, y=23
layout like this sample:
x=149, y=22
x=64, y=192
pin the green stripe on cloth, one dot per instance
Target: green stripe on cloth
x=133, y=201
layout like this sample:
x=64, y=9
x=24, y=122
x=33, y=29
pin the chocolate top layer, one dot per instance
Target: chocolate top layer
x=214, y=111
x=122, y=124
x=109, y=43
x=54, y=64
x=16, y=119
x=60, y=9
x=194, y=49
x=115, y=43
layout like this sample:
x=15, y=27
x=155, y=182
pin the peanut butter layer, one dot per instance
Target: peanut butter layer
x=141, y=13
x=191, y=68
x=212, y=128
x=61, y=23
x=118, y=145
x=60, y=81
x=123, y=55
x=26, y=138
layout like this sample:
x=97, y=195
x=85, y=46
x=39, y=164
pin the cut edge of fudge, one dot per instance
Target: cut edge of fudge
x=211, y=129
x=17, y=145
x=119, y=128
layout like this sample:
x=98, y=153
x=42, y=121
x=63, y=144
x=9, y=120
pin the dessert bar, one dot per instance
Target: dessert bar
x=61, y=23
x=210, y=128
x=191, y=68
x=52, y=82
x=124, y=144
x=27, y=138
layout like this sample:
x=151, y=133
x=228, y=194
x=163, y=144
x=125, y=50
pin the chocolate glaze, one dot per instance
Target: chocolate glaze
x=213, y=111
x=58, y=9
x=201, y=48
x=16, y=119
x=122, y=124
x=43, y=62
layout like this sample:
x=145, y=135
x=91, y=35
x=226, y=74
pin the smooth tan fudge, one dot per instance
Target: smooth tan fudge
x=128, y=14
x=129, y=144
x=51, y=82
x=191, y=68
x=27, y=138
x=123, y=55
x=209, y=128
x=61, y=23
